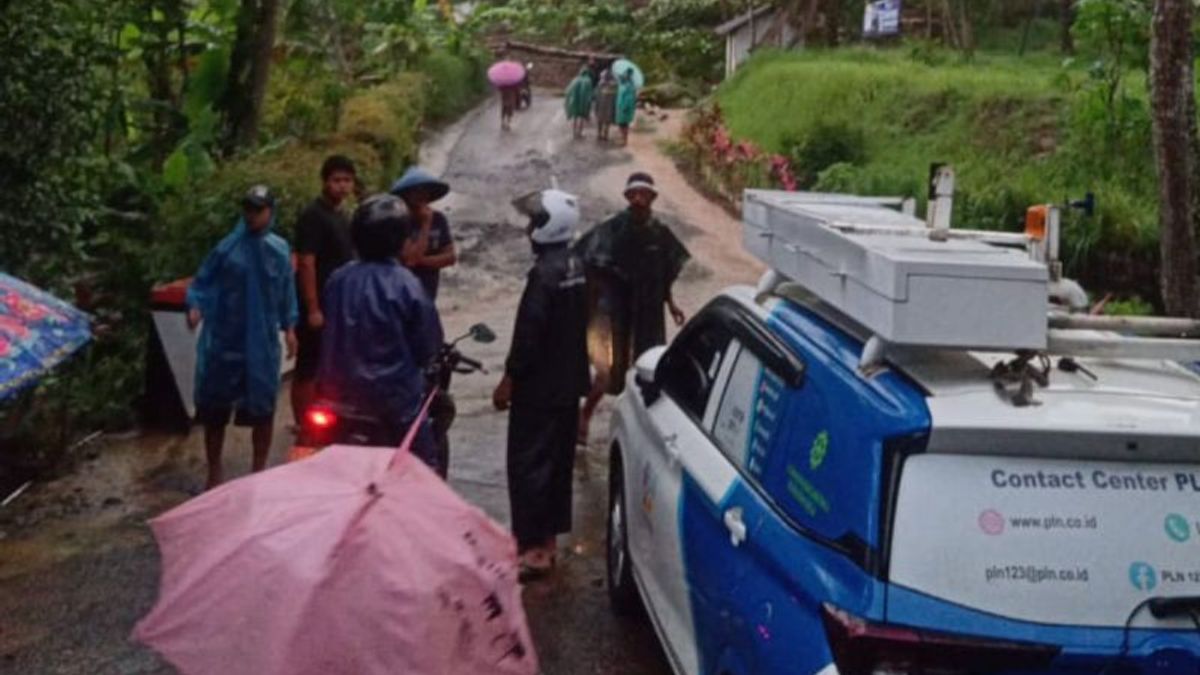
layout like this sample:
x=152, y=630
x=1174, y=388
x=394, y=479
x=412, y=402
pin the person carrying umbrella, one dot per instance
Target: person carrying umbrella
x=606, y=104
x=545, y=376
x=633, y=261
x=381, y=330
x=626, y=104
x=579, y=101
x=245, y=295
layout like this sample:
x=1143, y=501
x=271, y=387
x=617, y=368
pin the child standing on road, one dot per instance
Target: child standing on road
x=626, y=105
x=245, y=295
x=606, y=105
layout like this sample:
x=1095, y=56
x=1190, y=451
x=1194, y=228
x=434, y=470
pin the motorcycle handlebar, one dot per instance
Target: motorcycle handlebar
x=467, y=361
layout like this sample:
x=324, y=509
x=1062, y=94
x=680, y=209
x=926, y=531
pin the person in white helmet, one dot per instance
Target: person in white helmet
x=545, y=378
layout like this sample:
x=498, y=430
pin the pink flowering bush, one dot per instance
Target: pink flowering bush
x=727, y=165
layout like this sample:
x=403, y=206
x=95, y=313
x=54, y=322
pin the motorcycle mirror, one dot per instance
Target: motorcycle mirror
x=482, y=333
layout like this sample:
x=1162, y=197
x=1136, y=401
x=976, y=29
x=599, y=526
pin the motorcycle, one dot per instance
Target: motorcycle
x=329, y=422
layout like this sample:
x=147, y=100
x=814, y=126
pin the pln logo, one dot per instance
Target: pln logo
x=1143, y=576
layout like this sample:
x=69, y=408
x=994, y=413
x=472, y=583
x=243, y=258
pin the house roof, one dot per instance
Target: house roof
x=739, y=21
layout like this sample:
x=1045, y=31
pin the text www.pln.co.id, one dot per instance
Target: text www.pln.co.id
x=1053, y=522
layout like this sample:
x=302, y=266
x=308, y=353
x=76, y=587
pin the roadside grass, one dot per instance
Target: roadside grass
x=1019, y=131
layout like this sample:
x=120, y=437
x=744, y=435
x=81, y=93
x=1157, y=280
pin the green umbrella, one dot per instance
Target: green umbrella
x=622, y=66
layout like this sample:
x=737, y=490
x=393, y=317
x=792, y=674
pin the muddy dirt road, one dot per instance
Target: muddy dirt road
x=78, y=566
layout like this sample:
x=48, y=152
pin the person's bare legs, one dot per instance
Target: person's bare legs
x=303, y=393
x=214, y=443
x=261, y=438
x=595, y=395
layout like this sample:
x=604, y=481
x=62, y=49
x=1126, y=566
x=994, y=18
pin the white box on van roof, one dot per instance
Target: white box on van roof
x=879, y=267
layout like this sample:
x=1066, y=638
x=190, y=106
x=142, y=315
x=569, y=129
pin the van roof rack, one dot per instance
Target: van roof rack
x=915, y=283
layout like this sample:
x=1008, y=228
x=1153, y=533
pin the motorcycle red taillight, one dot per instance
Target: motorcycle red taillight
x=321, y=419
x=861, y=647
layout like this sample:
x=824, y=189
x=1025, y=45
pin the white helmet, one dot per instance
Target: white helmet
x=556, y=220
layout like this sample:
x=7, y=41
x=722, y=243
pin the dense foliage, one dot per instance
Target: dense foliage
x=114, y=172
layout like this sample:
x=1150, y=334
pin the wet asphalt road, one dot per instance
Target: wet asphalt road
x=78, y=566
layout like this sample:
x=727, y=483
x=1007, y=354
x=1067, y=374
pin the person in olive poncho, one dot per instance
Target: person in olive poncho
x=632, y=261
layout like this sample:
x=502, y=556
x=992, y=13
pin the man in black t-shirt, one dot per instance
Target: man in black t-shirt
x=322, y=245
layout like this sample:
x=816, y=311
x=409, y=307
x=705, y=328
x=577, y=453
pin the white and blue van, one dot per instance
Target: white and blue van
x=787, y=499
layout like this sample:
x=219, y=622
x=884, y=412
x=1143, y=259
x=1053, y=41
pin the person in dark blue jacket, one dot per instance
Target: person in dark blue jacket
x=245, y=295
x=381, y=329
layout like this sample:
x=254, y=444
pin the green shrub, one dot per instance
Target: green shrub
x=825, y=144
x=455, y=83
x=388, y=117
x=303, y=101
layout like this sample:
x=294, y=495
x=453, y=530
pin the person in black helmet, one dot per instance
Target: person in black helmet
x=381, y=329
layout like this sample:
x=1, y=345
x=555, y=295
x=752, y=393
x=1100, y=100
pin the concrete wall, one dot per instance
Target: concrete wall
x=739, y=43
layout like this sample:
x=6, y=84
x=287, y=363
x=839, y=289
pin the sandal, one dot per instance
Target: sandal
x=535, y=565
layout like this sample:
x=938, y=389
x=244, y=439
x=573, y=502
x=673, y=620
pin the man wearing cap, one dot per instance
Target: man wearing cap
x=322, y=245
x=545, y=375
x=245, y=296
x=430, y=248
x=633, y=261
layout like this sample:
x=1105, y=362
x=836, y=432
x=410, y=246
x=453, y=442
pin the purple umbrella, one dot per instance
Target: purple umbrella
x=506, y=73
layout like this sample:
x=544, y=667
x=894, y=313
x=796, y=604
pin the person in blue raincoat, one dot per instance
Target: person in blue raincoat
x=381, y=330
x=245, y=296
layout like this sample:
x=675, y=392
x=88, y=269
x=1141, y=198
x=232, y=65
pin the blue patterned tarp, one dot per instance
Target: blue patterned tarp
x=37, y=332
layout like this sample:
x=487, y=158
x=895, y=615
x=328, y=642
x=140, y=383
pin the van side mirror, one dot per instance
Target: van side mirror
x=646, y=370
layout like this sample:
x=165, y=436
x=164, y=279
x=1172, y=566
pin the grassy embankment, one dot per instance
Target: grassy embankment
x=1018, y=131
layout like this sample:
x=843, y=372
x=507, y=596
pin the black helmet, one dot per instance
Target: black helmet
x=258, y=197
x=379, y=227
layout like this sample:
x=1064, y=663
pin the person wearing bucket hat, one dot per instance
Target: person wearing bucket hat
x=430, y=247
x=633, y=261
x=545, y=376
x=244, y=295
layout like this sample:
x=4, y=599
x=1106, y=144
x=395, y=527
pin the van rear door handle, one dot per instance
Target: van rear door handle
x=735, y=525
x=671, y=444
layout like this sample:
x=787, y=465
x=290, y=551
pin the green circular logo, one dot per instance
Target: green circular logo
x=1178, y=528
x=820, y=448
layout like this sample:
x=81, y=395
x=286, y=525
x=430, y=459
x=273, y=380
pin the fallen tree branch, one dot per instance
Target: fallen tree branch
x=556, y=51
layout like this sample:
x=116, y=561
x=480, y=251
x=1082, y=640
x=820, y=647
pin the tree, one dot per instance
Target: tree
x=51, y=52
x=1066, y=17
x=249, y=70
x=1173, y=105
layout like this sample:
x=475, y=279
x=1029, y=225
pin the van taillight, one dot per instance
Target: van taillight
x=861, y=647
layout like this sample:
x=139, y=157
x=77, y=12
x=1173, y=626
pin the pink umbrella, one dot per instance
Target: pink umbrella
x=338, y=563
x=506, y=73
